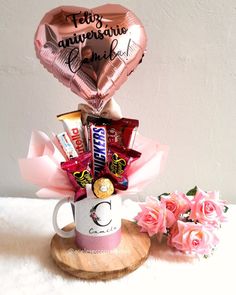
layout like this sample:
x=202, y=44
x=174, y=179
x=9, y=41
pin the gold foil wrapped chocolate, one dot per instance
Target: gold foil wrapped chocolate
x=103, y=188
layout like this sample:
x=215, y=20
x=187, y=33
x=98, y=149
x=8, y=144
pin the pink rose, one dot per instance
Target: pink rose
x=153, y=218
x=207, y=208
x=193, y=238
x=177, y=202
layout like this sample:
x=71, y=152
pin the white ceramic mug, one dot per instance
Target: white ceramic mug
x=97, y=223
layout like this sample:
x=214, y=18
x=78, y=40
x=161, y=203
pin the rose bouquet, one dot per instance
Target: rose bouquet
x=190, y=221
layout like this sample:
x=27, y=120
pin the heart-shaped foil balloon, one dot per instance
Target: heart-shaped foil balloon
x=91, y=51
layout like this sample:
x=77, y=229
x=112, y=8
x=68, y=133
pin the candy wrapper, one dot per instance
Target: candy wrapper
x=43, y=166
x=79, y=173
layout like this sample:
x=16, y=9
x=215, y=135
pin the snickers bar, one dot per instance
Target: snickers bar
x=98, y=148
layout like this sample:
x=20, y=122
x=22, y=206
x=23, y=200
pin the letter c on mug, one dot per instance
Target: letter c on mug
x=96, y=220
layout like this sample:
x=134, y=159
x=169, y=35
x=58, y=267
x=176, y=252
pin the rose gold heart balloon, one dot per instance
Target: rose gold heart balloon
x=91, y=51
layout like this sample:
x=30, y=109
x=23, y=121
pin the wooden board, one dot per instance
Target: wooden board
x=132, y=251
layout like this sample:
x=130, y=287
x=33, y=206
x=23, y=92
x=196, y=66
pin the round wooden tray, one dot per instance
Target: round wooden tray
x=132, y=251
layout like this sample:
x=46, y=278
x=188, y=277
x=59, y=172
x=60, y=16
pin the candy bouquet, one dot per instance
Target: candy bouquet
x=61, y=159
x=99, y=156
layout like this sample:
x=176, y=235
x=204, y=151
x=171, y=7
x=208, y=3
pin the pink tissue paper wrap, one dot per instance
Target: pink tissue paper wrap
x=42, y=166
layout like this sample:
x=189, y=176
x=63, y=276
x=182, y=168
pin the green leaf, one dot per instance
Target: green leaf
x=226, y=208
x=192, y=192
x=164, y=194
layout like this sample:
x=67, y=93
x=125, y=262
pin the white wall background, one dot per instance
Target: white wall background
x=184, y=92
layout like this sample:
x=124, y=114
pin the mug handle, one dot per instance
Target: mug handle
x=60, y=232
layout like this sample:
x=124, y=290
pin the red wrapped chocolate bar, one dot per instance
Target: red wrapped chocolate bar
x=118, y=162
x=121, y=132
x=79, y=173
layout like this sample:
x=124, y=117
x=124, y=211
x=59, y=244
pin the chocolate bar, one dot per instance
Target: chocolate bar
x=98, y=147
x=73, y=126
x=67, y=145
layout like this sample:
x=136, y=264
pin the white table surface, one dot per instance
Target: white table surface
x=27, y=268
